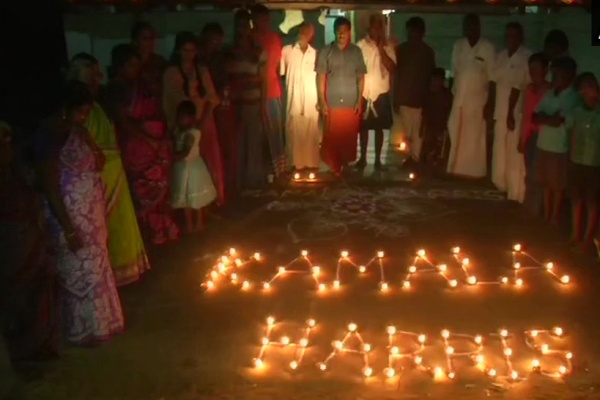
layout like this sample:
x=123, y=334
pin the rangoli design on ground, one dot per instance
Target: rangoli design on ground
x=384, y=212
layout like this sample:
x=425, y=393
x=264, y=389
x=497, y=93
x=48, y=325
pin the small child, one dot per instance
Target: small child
x=552, y=144
x=534, y=92
x=435, y=120
x=583, y=126
x=192, y=187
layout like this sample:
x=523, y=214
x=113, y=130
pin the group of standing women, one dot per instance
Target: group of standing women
x=58, y=272
x=229, y=87
x=68, y=225
x=229, y=91
x=75, y=220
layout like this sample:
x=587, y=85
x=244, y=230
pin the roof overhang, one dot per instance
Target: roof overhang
x=421, y=5
x=446, y=6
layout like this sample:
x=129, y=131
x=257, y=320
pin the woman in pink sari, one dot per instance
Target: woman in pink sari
x=186, y=80
x=145, y=144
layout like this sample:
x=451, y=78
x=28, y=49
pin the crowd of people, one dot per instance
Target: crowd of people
x=114, y=162
x=543, y=117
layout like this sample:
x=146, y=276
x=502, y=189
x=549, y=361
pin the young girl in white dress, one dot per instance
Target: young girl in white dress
x=192, y=189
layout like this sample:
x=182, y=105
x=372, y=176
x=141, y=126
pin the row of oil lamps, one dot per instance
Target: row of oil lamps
x=475, y=354
x=228, y=266
x=312, y=177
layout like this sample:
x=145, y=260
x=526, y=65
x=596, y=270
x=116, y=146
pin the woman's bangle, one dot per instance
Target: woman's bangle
x=70, y=234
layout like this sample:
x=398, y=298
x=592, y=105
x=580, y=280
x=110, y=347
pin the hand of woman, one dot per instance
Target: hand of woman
x=74, y=243
x=100, y=159
x=214, y=99
x=555, y=120
x=202, y=122
x=539, y=118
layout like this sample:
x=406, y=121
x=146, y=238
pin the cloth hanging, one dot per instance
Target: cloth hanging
x=292, y=19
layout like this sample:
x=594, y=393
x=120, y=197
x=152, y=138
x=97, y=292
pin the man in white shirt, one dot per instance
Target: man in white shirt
x=472, y=69
x=380, y=59
x=511, y=75
x=303, y=133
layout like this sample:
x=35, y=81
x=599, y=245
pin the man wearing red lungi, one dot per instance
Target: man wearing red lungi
x=341, y=73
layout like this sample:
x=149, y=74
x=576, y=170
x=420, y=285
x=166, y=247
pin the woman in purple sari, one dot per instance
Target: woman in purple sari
x=70, y=165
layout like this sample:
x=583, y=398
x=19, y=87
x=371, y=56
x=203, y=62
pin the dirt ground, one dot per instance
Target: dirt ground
x=186, y=343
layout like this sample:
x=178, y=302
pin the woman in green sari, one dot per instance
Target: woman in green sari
x=127, y=253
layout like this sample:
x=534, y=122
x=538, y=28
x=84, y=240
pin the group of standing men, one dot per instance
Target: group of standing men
x=488, y=90
x=357, y=88
x=360, y=86
x=353, y=92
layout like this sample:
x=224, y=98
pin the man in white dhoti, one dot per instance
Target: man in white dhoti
x=511, y=75
x=303, y=131
x=472, y=70
x=379, y=54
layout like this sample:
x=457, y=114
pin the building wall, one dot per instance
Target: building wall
x=98, y=33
